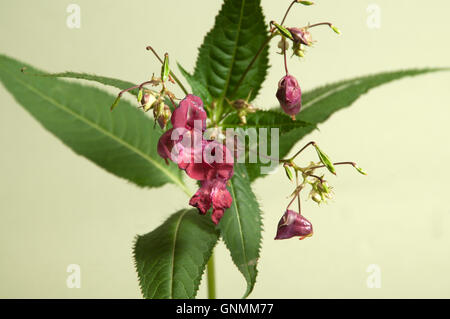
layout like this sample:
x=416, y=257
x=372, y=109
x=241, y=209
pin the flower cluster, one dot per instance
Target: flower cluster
x=210, y=162
x=293, y=224
x=207, y=161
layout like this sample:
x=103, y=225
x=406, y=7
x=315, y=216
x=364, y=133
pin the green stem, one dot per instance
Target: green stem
x=150, y=48
x=211, y=278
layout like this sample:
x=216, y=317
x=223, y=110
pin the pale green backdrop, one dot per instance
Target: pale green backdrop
x=57, y=208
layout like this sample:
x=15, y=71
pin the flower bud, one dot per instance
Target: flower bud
x=116, y=101
x=164, y=116
x=316, y=197
x=289, y=95
x=301, y=35
x=242, y=104
x=288, y=172
x=283, y=45
x=165, y=71
x=293, y=224
x=335, y=29
x=325, y=160
x=147, y=100
x=243, y=107
x=360, y=170
x=305, y=3
x=283, y=31
x=298, y=51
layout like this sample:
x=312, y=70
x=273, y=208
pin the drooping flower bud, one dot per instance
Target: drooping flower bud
x=188, y=112
x=283, y=45
x=301, y=35
x=147, y=100
x=298, y=50
x=162, y=114
x=305, y=3
x=289, y=95
x=293, y=224
x=243, y=107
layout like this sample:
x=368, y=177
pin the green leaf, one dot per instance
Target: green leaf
x=171, y=259
x=197, y=87
x=122, y=85
x=227, y=50
x=241, y=227
x=319, y=104
x=123, y=142
x=265, y=119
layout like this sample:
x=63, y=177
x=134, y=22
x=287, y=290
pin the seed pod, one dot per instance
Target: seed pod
x=325, y=160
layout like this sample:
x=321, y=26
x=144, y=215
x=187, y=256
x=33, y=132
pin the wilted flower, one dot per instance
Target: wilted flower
x=289, y=95
x=293, y=224
x=320, y=191
x=147, y=100
x=243, y=107
x=164, y=116
x=301, y=35
x=212, y=193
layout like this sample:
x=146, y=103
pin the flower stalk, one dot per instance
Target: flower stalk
x=211, y=277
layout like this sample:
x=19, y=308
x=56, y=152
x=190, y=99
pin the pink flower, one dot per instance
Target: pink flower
x=212, y=193
x=208, y=161
x=293, y=224
x=188, y=112
x=169, y=140
x=165, y=144
x=289, y=95
x=201, y=159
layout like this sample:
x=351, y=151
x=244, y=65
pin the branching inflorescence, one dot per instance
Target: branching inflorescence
x=209, y=160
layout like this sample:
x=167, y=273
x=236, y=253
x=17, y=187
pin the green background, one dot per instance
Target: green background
x=57, y=208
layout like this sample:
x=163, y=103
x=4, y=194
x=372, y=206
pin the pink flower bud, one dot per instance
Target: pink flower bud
x=289, y=95
x=212, y=193
x=164, y=116
x=301, y=35
x=188, y=112
x=293, y=224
